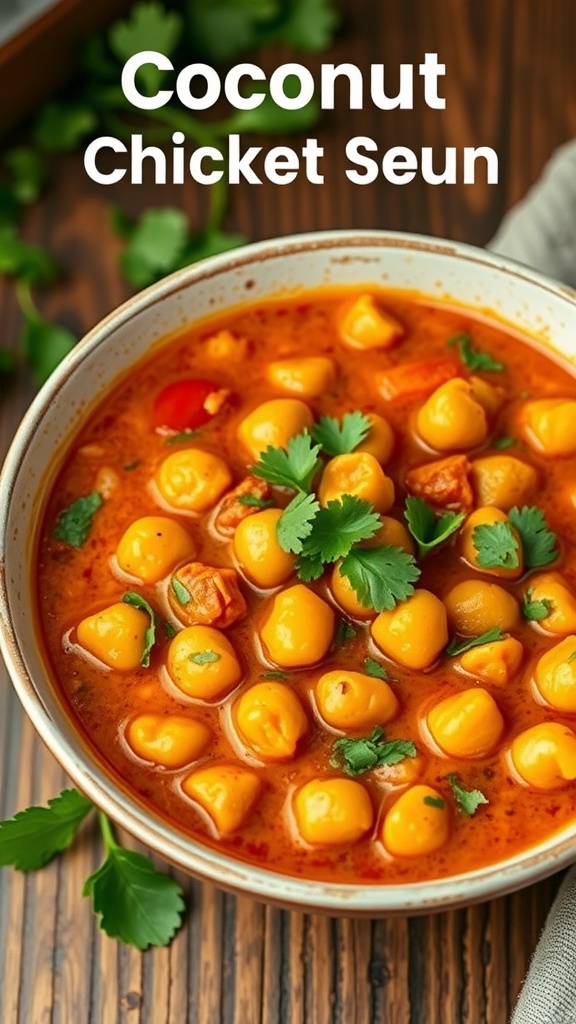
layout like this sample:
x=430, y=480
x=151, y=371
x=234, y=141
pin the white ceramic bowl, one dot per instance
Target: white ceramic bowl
x=443, y=270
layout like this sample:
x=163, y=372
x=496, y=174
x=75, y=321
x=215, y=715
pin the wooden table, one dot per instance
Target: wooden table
x=510, y=84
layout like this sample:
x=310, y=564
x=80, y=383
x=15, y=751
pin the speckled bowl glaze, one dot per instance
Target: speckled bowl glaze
x=445, y=271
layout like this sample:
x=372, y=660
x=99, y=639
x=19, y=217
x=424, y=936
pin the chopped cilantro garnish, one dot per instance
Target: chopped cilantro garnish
x=496, y=546
x=572, y=657
x=340, y=438
x=74, y=523
x=503, y=442
x=204, y=657
x=182, y=595
x=309, y=567
x=345, y=632
x=474, y=358
x=293, y=466
x=253, y=501
x=467, y=800
x=356, y=756
x=535, y=611
x=538, y=541
x=427, y=528
x=381, y=577
x=186, y=435
x=338, y=526
x=491, y=636
x=434, y=801
x=275, y=675
x=150, y=635
x=295, y=523
x=374, y=668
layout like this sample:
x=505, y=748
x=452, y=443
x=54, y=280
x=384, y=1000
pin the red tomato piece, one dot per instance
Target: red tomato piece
x=180, y=406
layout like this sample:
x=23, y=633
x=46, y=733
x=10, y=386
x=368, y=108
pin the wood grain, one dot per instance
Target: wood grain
x=509, y=85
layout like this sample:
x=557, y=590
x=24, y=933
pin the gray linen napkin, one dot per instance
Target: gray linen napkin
x=541, y=232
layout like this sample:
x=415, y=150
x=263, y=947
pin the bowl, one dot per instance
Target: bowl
x=449, y=272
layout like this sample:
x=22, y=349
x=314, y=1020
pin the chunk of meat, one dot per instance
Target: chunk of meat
x=202, y=595
x=444, y=483
x=232, y=511
x=415, y=380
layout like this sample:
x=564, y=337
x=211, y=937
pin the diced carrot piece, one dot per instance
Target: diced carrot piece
x=416, y=380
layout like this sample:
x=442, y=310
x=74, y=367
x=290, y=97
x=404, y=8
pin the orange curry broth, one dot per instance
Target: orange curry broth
x=75, y=583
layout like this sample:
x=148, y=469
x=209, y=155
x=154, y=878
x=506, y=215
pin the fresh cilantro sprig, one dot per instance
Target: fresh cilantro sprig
x=75, y=521
x=535, y=611
x=467, y=800
x=491, y=636
x=496, y=546
x=137, y=601
x=376, y=669
x=295, y=524
x=538, y=540
x=293, y=466
x=337, y=527
x=33, y=837
x=356, y=756
x=428, y=529
x=340, y=438
x=381, y=577
x=503, y=442
x=474, y=358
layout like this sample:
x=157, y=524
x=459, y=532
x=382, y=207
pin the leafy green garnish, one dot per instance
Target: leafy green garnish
x=342, y=523
x=309, y=567
x=293, y=466
x=503, y=442
x=375, y=668
x=253, y=501
x=45, y=346
x=224, y=29
x=28, y=169
x=535, y=611
x=345, y=632
x=134, y=599
x=155, y=246
x=149, y=27
x=381, y=577
x=170, y=630
x=435, y=801
x=182, y=595
x=491, y=636
x=295, y=523
x=474, y=358
x=572, y=657
x=538, y=541
x=32, y=837
x=74, y=523
x=340, y=438
x=186, y=435
x=204, y=657
x=24, y=260
x=356, y=756
x=467, y=800
x=275, y=675
x=427, y=528
x=496, y=546
x=61, y=127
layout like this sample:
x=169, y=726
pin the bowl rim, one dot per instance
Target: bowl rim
x=164, y=839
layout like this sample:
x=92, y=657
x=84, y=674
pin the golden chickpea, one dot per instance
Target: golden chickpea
x=403, y=773
x=451, y=419
x=495, y=663
x=274, y=423
x=258, y=552
x=168, y=740
x=331, y=812
x=553, y=589
x=417, y=823
x=503, y=481
x=354, y=701
x=468, y=724
x=299, y=628
x=362, y=323
x=308, y=377
x=193, y=480
x=152, y=546
x=227, y=792
x=414, y=632
x=489, y=396
x=555, y=675
x=545, y=756
x=379, y=441
x=202, y=663
x=345, y=596
x=391, y=533
x=549, y=425
x=358, y=474
x=475, y=606
x=270, y=721
x=115, y=636
x=469, y=542
x=225, y=347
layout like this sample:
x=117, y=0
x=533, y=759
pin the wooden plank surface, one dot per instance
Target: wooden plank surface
x=511, y=85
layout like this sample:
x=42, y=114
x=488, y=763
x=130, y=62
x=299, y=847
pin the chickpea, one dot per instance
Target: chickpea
x=193, y=480
x=414, y=632
x=168, y=740
x=495, y=663
x=258, y=552
x=545, y=756
x=391, y=532
x=274, y=423
x=468, y=724
x=417, y=823
x=308, y=377
x=152, y=546
x=555, y=675
x=353, y=701
x=361, y=323
x=345, y=596
x=503, y=481
x=270, y=721
x=475, y=606
x=227, y=792
x=490, y=397
x=202, y=663
x=549, y=425
x=225, y=347
x=552, y=588
x=299, y=628
x=403, y=773
x=468, y=543
x=115, y=636
x=358, y=474
x=331, y=812
x=451, y=418
x=379, y=441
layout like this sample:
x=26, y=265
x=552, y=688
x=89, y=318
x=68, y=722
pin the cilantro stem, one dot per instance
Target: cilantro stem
x=107, y=832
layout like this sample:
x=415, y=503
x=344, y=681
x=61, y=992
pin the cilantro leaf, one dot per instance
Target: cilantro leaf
x=474, y=358
x=460, y=646
x=309, y=567
x=75, y=521
x=61, y=127
x=223, y=29
x=274, y=674
x=204, y=657
x=270, y=119
x=28, y=170
x=23, y=259
x=496, y=546
x=295, y=523
x=310, y=25
x=253, y=501
x=340, y=438
x=208, y=243
x=538, y=541
x=136, y=903
x=149, y=27
x=182, y=594
x=375, y=669
x=155, y=246
x=32, y=837
x=170, y=630
x=467, y=800
x=342, y=523
x=130, y=597
x=293, y=466
x=182, y=438
x=345, y=632
x=503, y=442
x=45, y=346
x=535, y=611
x=356, y=756
x=428, y=529
x=435, y=801
x=381, y=576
